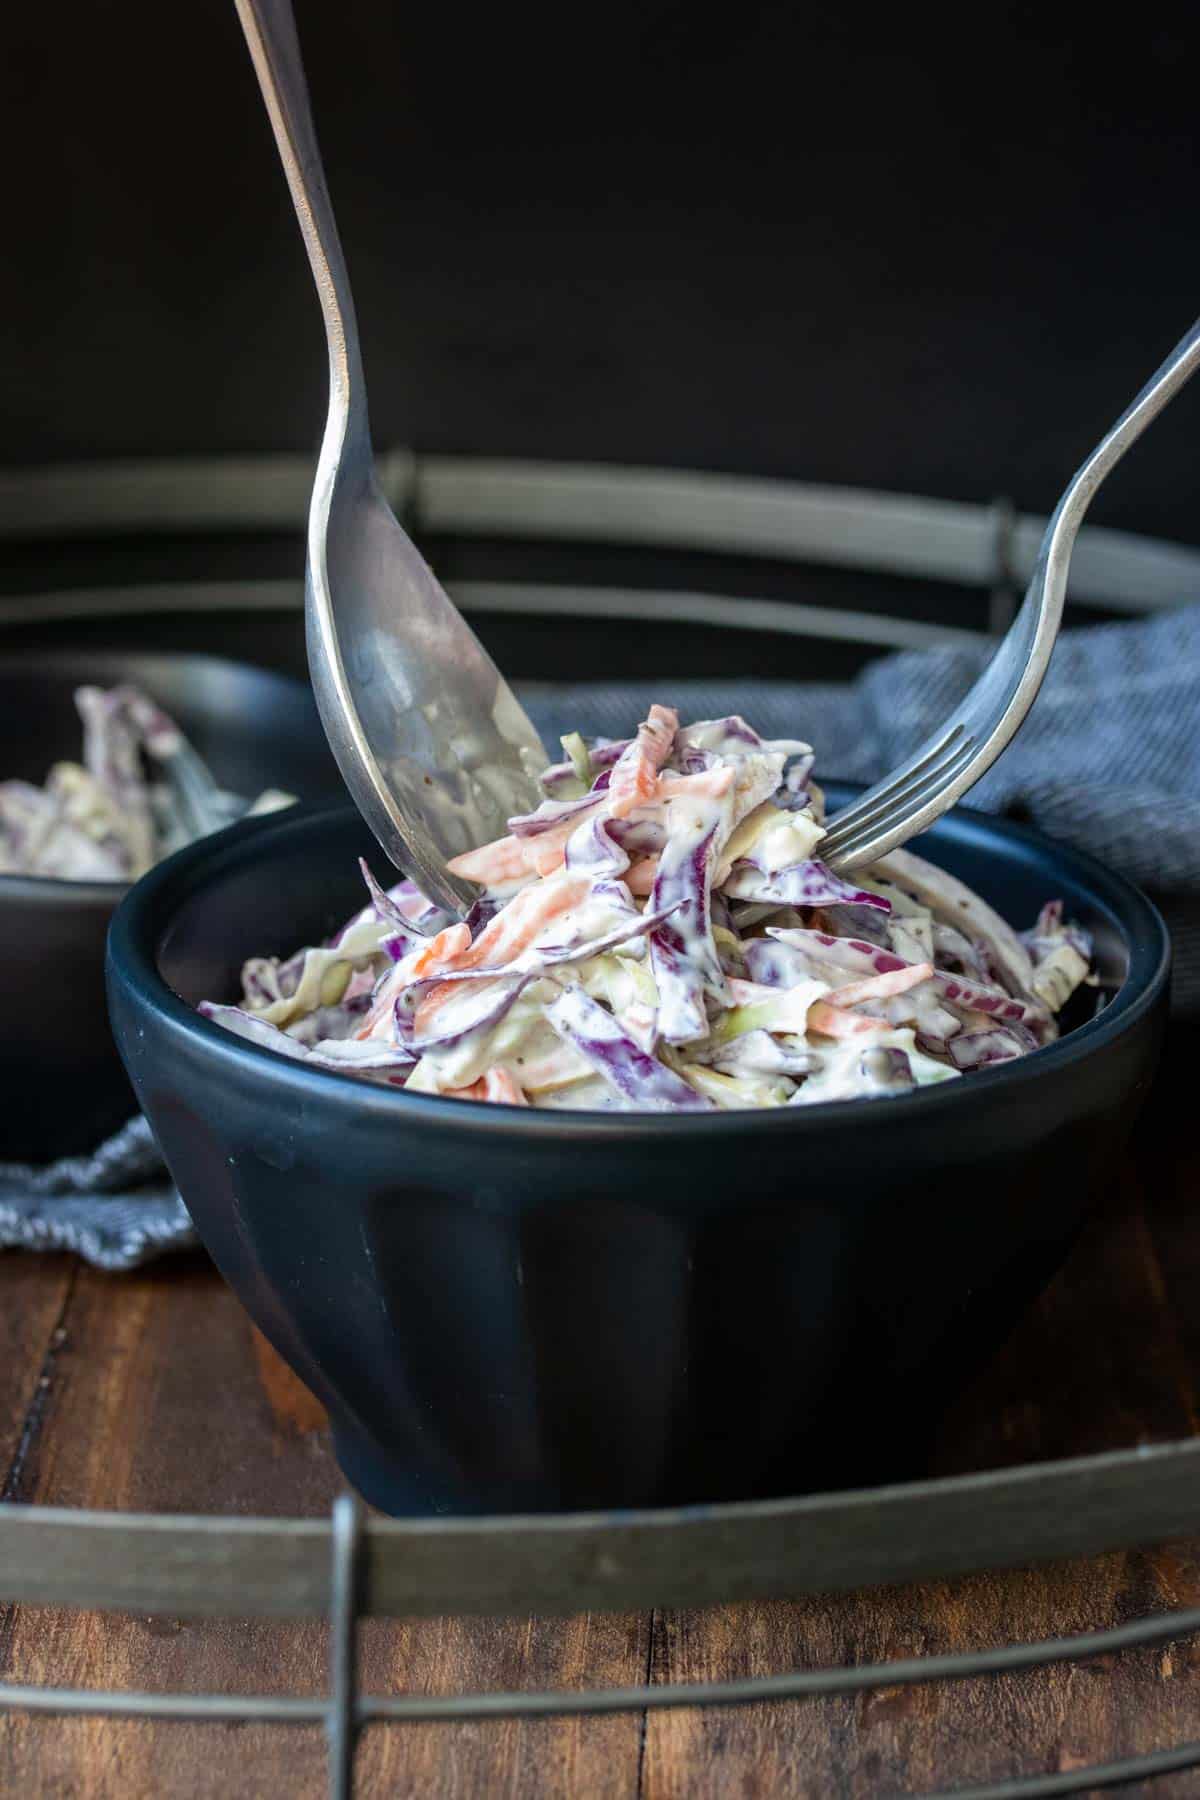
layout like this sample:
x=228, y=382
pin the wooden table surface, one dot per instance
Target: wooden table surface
x=152, y=1391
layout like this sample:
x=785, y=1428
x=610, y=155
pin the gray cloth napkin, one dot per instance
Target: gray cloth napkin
x=115, y=1208
x=1108, y=760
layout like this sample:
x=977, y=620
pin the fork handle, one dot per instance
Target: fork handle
x=1165, y=382
x=943, y=768
x=270, y=29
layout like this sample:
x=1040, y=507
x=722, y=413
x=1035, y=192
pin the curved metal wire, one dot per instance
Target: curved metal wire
x=858, y=528
x=345, y=1713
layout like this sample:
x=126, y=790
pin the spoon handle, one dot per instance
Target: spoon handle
x=270, y=29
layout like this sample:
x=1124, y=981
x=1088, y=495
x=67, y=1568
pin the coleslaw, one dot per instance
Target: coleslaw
x=661, y=934
x=140, y=793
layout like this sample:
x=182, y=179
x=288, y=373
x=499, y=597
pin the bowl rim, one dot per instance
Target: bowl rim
x=100, y=896
x=144, y=915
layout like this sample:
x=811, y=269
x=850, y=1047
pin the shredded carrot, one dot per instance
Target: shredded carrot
x=833, y=1021
x=379, y=1012
x=640, y=878
x=500, y=1085
x=432, y=1003
x=880, y=987
x=514, y=929
x=512, y=858
x=546, y=853
x=497, y=1085
x=638, y=787
x=476, y=1091
x=439, y=952
x=708, y=784
x=494, y=863
x=634, y=780
x=442, y=950
x=502, y=939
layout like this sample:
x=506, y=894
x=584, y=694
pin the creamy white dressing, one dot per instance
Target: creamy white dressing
x=775, y=837
x=838, y=1075
x=323, y=970
x=701, y=990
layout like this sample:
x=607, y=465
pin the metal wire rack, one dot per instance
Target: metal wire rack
x=348, y=1568
x=987, y=548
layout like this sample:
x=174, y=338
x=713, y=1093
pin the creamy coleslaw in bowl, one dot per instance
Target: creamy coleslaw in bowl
x=139, y=793
x=661, y=934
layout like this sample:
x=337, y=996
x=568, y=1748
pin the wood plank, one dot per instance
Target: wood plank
x=523, y=1758
x=924, y=1739
x=1102, y=1359
x=33, y=1296
x=163, y=1397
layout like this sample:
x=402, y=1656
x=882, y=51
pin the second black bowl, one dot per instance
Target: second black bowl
x=63, y=1085
x=505, y=1309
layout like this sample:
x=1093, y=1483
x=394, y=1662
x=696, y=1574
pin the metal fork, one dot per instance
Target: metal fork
x=429, y=738
x=954, y=757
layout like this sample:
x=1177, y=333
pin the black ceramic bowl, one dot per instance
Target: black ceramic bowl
x=62, y=1082
x=506, y=1309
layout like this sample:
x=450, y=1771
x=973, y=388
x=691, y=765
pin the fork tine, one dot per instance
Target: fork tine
x=906, y=797
x=889, y=796
x=911, y=801
x=884, y=792
x=862, y=841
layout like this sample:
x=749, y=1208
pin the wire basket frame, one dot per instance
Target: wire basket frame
x=989, y=547
x=342, y=1569
x=345, y=1712
x=348, y=1569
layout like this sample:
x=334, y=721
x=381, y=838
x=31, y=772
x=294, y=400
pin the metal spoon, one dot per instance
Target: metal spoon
x=429, y=738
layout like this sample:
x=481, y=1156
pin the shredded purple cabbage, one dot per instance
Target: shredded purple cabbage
x=675, y=943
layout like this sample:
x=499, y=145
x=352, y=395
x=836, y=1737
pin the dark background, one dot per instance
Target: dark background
x=862, y=248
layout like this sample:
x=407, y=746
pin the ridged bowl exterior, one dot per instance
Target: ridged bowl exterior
x=512, y=1310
